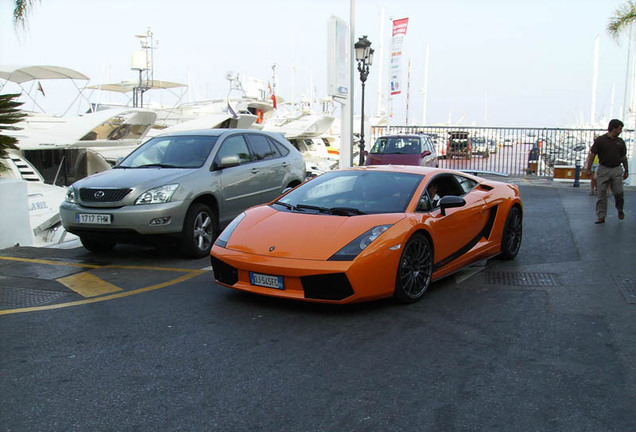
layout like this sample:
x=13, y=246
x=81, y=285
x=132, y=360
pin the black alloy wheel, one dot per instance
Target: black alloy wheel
x=199, y=231
x=512, y=234
x=415, y=269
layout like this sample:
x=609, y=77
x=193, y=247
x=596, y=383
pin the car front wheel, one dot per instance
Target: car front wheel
x=512, y=234
x=415, y=269
x=199, y=229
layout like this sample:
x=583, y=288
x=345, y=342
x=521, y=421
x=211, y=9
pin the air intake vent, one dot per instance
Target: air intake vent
x=334, y=286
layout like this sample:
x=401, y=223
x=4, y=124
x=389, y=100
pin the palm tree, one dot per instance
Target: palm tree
x=21, y=9
x=9, y=115
x=623, y=17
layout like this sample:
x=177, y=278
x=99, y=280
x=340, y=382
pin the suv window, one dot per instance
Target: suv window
x=234, y=145
x=262, y=147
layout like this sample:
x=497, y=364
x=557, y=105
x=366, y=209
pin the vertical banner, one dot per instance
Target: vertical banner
x=399, y=32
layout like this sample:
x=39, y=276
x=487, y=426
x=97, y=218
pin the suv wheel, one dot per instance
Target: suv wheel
x=96, y=246
x=199, y=231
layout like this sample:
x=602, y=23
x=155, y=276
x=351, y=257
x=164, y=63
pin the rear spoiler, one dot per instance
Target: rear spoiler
x=484, y=172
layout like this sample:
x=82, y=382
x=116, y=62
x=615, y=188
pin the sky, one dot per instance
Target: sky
x=491, y=62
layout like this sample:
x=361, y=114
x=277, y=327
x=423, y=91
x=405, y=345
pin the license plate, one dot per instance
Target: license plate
x=267, y=281
x=86, y=218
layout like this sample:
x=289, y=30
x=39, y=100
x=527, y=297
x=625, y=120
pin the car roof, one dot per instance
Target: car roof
x=402, y=136
x=408, y=169
x=218, y=132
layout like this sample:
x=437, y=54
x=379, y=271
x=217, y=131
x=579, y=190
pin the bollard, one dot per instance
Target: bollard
x=577, y=171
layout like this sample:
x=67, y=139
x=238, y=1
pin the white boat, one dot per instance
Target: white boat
x=306, y=130
x=43, y=202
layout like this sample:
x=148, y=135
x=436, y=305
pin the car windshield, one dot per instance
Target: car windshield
x=397, y=145
x=171, y=152
x=351, y=193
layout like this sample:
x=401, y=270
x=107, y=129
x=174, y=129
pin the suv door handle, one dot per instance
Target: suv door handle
x=254, y=170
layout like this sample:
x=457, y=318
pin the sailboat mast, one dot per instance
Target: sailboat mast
x=597, y=41
x=381, y=110
x=408, y=93
x=425, y=90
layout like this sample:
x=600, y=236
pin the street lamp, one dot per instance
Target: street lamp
x=364, y=57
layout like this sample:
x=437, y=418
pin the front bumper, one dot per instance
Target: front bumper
x=366, y=278
x=134, y=219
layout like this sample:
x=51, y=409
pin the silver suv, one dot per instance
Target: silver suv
x=181, y=186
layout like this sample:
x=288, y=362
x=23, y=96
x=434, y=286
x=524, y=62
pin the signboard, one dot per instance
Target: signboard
x=338, y=58
x=397, y=39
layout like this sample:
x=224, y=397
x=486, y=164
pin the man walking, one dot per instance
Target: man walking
x=612, y=152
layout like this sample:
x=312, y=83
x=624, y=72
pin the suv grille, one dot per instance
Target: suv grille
x=103, y=195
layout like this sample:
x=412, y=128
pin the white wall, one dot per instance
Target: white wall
x=15, y=226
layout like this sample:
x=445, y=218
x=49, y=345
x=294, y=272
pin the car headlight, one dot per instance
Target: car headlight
x=71, y=195
x=353, y=249
x=227, y=232
x=157, y=195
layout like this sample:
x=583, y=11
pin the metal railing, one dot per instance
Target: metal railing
x=511, y=151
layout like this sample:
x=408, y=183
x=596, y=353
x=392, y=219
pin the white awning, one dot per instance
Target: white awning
x=128, y=86
x=30, y=73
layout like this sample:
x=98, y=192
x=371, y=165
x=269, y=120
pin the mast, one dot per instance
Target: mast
x=595, y=80
x=408, y=93
x=425, y=89
x=626, y=108
x=381, y=112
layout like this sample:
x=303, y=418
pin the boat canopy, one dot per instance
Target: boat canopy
x=29, y=73
x=128, y=86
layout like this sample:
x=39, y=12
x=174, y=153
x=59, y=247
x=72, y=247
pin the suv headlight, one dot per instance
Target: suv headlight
x=157, y=195
x=71, y=195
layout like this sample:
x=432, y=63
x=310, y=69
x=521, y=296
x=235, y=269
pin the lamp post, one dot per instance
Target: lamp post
x=364, y=57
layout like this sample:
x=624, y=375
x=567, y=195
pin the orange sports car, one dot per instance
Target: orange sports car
x=367, y=233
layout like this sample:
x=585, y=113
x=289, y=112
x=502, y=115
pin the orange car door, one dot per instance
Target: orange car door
x=460, y=229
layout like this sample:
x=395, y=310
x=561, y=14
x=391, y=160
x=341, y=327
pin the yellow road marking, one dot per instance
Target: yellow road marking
x=88, y=285
x=190, y=273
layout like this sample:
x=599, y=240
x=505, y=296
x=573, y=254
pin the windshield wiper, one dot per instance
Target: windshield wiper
x=346, y=211
x=340, y=211
x=155, y=165
x=284, y=204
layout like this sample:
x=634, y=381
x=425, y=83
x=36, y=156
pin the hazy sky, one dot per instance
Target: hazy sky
x=491, y=62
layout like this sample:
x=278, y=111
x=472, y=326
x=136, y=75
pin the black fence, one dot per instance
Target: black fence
x=541, y=152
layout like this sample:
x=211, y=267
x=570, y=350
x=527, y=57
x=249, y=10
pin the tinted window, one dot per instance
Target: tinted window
x=234, y=145
x=262, y=147
x=282, y=149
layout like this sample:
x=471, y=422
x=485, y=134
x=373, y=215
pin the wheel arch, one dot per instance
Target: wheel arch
x=210, y=201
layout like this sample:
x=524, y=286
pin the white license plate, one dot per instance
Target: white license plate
x=267, y=281
x=86, y=218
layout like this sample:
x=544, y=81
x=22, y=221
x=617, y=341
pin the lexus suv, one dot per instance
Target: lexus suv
x=182, y=187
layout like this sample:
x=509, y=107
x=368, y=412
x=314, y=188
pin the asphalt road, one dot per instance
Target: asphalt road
x=546, y=342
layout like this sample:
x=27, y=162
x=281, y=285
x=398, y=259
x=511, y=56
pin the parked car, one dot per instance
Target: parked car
x=458, y=144
x=183, y=187
x=403, y=150
x=479, y=146
x=366, y=233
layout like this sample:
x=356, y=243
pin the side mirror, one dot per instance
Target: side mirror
x=229, y=161
x=426, y=153
x=365, y=153
x=451, y=201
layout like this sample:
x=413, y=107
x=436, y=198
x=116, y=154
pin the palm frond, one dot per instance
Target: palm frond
x=623, y=17
x=21, y=11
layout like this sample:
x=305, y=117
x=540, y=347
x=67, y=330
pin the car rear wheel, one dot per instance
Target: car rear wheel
x=96, y=246
x=415, y=269
x=199, y=231
x=512, y=234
